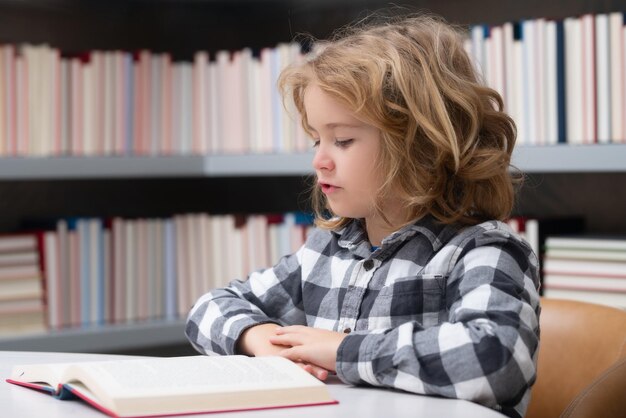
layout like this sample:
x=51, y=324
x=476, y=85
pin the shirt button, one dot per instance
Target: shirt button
x=368, y=264
x=347, y=331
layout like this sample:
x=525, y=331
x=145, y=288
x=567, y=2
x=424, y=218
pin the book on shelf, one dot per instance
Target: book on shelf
x=22, y=291
x=591, y=269
x=14, y=243
x=586, y=243
x=585, y=282
x=21, y=288
x=19, y=272
x=601, y=297
x=580, y=267
x=18, y=317
x=19, y=259
x=581, y=254
x=177, y=385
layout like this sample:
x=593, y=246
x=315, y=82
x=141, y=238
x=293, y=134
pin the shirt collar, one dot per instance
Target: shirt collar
x=353, y=236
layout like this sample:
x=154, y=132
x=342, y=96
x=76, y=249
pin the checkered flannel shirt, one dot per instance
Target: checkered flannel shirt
x=433, y=310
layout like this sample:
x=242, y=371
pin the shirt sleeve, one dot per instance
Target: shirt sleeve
x=273, y=295
x=484, y=352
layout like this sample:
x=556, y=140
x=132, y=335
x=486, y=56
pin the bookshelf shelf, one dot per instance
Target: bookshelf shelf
x=101, y=339
x=538, y=159
x=255, y=165
x=34, y=168
x=569, y=158
x=151, y=167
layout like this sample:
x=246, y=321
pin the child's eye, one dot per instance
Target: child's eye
x=342, y=143
x=316, y=143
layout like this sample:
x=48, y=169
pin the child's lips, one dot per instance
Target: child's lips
x=328, y=188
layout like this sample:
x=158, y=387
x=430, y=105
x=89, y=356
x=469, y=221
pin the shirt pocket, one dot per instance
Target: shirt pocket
x=420, y=298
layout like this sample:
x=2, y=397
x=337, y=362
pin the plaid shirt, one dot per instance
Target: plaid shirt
x=433, y=310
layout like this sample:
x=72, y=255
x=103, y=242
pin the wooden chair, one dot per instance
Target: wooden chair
x=582, y=362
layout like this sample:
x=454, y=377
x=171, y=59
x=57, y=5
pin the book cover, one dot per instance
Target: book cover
x=560, y=83
x=200, y=99
x=589, y=79
x=552, y=265
x=119, y=269
x=608, y=298
x=602, y=79
x=574, y=80
x=583, y=242
x=616, y=59
x=582, y=282
x=519, y=84
x=169, y=260
x=551, y=117
x=51, y=277
x=21, y=317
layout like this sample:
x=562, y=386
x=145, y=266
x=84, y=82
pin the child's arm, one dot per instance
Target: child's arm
x=273, y=296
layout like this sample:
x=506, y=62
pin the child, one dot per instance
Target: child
x=413, y=282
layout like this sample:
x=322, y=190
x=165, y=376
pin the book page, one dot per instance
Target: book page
x=192, y=374
x=49, y=374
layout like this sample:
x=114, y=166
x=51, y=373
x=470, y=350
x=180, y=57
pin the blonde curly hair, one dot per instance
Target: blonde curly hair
x=446, y=142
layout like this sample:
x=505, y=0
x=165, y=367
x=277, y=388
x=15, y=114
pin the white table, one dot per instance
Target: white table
x=19, y=402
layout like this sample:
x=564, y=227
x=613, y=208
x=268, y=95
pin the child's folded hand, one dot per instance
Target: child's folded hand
x=311, y=346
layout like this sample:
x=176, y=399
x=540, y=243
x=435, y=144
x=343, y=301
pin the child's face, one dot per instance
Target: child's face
x=346, y=150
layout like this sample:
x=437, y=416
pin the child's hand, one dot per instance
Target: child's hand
x=316, y=371
x=308, y=345
x=255, y=341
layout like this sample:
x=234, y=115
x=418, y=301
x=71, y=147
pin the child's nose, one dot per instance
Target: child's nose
x=322, y=160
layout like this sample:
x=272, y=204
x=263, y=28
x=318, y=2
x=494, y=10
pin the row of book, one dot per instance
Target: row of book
x=562, y=81
x=88, y=272
x=122, y=103
x=586, y=269
x=127, y=270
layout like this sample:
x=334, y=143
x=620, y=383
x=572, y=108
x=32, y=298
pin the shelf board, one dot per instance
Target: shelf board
x=101, y=339
x=56, y=168
x=529, y=159
x=52, y=168
x=259, y=165
x=571, y=158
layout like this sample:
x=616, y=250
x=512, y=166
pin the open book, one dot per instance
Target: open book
x=177, y=385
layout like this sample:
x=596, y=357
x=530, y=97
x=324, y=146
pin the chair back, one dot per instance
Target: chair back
x=603, y=398
x=579, y=342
